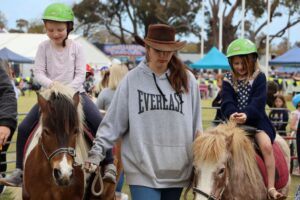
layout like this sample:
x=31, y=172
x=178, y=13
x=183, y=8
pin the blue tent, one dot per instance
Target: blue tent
x=10, y=56
x=289, y=58
x=214, y=59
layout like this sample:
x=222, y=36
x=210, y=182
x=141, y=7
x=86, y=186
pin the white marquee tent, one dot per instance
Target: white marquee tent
x=26, y=44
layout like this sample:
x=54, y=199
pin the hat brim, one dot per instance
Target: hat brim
x=161, y=46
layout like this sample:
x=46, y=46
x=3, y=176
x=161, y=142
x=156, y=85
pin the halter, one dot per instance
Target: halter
x=69, y=150
x=211, y=196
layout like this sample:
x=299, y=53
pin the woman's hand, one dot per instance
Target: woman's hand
x=90, y=167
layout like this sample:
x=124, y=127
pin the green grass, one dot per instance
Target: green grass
x=26, y=102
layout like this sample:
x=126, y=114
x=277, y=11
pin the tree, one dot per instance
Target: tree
x=21, y=23
x=36, y=27
x=3, y=21
x=282, y=47
x=86, y=13
x=256, y=10
x=126, y=17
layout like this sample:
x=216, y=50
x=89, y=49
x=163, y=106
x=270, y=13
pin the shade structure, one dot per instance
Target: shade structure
x=214, y=59
x=6, y=54
x=290, y=58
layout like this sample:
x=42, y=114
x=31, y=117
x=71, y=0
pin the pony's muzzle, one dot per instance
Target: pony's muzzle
x=62, y=179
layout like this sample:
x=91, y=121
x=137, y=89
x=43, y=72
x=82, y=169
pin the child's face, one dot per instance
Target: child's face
x=278, y=103
x=56, y=31
x=238, y=67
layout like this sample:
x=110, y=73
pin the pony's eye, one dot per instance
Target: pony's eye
x=221, y=171
x=46, y=132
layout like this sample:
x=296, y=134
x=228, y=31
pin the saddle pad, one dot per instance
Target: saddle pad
x=282, y=172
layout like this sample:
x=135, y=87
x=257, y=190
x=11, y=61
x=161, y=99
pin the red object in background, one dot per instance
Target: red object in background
x=89, y=69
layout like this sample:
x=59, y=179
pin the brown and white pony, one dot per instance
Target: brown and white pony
x=54, y=157
x=225, y=165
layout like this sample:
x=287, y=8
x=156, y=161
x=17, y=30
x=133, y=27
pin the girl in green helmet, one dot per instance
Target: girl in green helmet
x=244, y=100
x=59, y=59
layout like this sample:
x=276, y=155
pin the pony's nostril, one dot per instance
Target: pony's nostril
x=57, y=173
x=72, y=173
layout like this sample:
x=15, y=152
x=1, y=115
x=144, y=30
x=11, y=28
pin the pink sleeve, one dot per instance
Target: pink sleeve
x=80, y=71
x=40, y=67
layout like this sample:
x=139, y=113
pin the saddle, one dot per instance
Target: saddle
x=281, y=172
x=281, y=167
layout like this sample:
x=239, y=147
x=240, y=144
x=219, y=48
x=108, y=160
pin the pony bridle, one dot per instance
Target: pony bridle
x=209, y=196
x=69, y=150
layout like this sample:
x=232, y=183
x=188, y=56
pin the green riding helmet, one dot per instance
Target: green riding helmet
x=58, y=12
x=241, y=47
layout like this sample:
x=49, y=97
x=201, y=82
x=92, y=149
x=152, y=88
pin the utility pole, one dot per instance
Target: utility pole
x=268, y=37
x=220, y=29
x=243, y=19
x=202, y=29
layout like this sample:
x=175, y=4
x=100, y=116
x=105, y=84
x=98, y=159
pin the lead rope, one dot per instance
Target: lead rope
x=97, y=176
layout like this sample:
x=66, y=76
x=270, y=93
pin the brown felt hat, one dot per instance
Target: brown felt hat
x=160, y=37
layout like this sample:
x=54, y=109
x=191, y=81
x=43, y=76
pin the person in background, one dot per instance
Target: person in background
x=8, y=116
x=272, y=91
x=294, y=126
x=11, y=75
x=59, y=59
x=104, y=72
x=244, y=99
x=89, y=82
x=217, y=102
x=156, y=111
x=280, y=115
x=117, y=72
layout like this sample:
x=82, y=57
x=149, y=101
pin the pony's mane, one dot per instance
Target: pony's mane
x=209, y=146
x=59, y=89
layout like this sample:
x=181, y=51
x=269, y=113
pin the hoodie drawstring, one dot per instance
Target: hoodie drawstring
x=160, y=91
x=164, y=96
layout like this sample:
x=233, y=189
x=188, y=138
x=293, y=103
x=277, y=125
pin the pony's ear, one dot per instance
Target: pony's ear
x=76, y=99
x=42, y=102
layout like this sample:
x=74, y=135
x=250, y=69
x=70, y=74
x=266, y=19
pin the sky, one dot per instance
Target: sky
x=33, y=9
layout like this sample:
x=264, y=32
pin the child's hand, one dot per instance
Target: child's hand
x=239, y=118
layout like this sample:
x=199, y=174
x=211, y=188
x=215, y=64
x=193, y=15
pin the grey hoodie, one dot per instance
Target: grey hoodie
x=157, y=135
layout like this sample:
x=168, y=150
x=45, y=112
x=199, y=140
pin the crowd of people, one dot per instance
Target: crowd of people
x=155, y=108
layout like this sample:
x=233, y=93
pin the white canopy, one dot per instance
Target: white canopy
x=26, y=44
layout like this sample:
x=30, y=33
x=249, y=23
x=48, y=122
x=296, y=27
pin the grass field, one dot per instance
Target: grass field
x=26, y=102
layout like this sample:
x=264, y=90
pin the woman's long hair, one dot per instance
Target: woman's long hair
x=179, y=75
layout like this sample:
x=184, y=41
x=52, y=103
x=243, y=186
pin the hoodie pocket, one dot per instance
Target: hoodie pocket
x=167, y=162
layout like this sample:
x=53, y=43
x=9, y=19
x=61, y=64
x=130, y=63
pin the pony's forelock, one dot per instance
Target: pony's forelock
x=212, y=147
x=60, y=89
